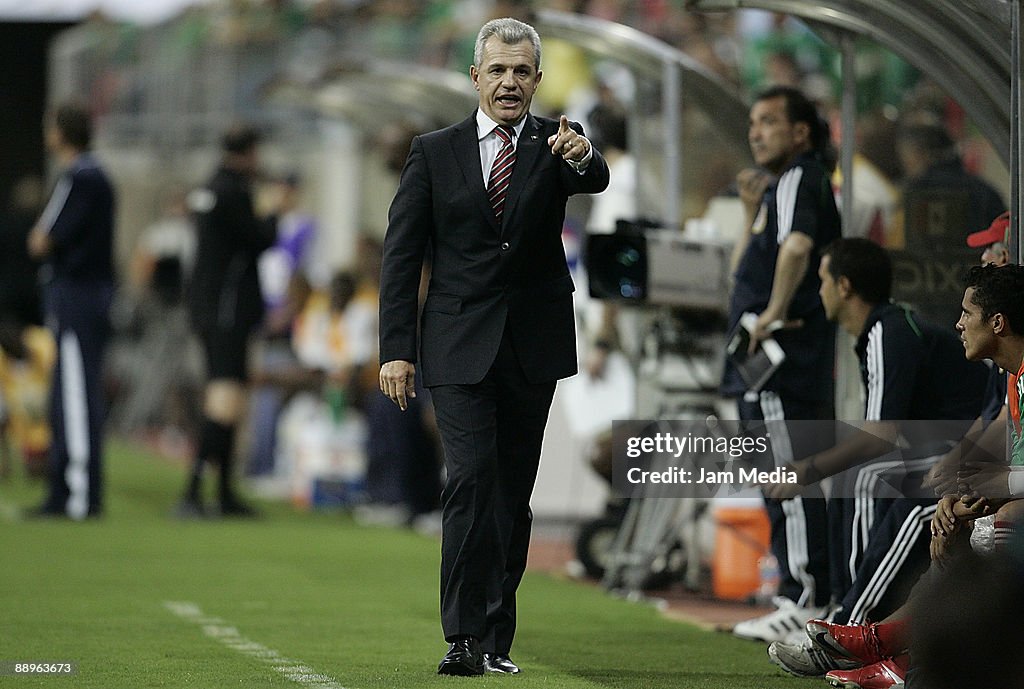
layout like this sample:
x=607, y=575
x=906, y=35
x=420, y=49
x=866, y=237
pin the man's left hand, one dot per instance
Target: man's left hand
x=781, y=491
x=397, y=382
x=567, y=143
x=766, y=325
x=971, y=506
x=786, y=491
x=941, y=478
x=986, y=479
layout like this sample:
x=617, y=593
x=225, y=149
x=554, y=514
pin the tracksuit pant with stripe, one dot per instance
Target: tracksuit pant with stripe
x=799, y=527
x=78, y=316
x=884, y=532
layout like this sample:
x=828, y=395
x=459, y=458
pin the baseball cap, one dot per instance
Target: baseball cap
x=996, y=232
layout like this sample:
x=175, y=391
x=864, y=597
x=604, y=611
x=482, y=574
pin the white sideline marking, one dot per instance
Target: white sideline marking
x=216, y=628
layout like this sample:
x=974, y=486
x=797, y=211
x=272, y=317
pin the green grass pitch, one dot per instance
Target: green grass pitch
x=308, y=597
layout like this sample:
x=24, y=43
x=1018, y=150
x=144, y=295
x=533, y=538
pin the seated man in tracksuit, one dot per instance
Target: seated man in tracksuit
x=911, y=371
x=976, y=546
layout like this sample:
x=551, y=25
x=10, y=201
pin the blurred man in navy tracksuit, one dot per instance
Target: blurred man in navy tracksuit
x=74, y=237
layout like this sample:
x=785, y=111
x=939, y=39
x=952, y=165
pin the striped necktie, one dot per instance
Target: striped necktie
x=501, y=171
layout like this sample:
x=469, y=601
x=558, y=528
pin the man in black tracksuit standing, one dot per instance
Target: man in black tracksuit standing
x=792, y=217
x=226, y=305
x=74, y=237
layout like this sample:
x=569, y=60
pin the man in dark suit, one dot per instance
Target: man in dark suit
x=488, y=196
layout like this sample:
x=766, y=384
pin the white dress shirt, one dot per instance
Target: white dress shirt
x=490, y=143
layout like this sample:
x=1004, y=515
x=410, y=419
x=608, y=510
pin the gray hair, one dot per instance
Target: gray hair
x=510, y=31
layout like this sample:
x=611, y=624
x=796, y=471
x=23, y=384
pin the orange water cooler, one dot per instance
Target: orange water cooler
x=742, y=536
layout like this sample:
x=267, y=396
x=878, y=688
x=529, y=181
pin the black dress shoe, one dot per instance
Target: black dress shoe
x=499, y=662
x=463, y=658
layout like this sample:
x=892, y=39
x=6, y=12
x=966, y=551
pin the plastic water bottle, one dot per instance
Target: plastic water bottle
x=768, y=574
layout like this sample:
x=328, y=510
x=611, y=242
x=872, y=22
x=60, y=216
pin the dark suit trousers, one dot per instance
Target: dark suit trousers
x=492, y=433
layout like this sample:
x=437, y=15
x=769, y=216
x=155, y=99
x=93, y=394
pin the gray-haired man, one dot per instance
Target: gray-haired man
x=488, y=195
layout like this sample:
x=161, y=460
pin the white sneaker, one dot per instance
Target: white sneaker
x=785, y=624
x=806, y=660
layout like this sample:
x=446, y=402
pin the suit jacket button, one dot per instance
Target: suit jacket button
x=504, y=246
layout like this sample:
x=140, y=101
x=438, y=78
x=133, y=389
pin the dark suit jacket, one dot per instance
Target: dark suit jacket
x=483, y=276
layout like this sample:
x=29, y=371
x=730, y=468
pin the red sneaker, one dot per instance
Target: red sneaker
x=886, y=674
x=858, y=642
